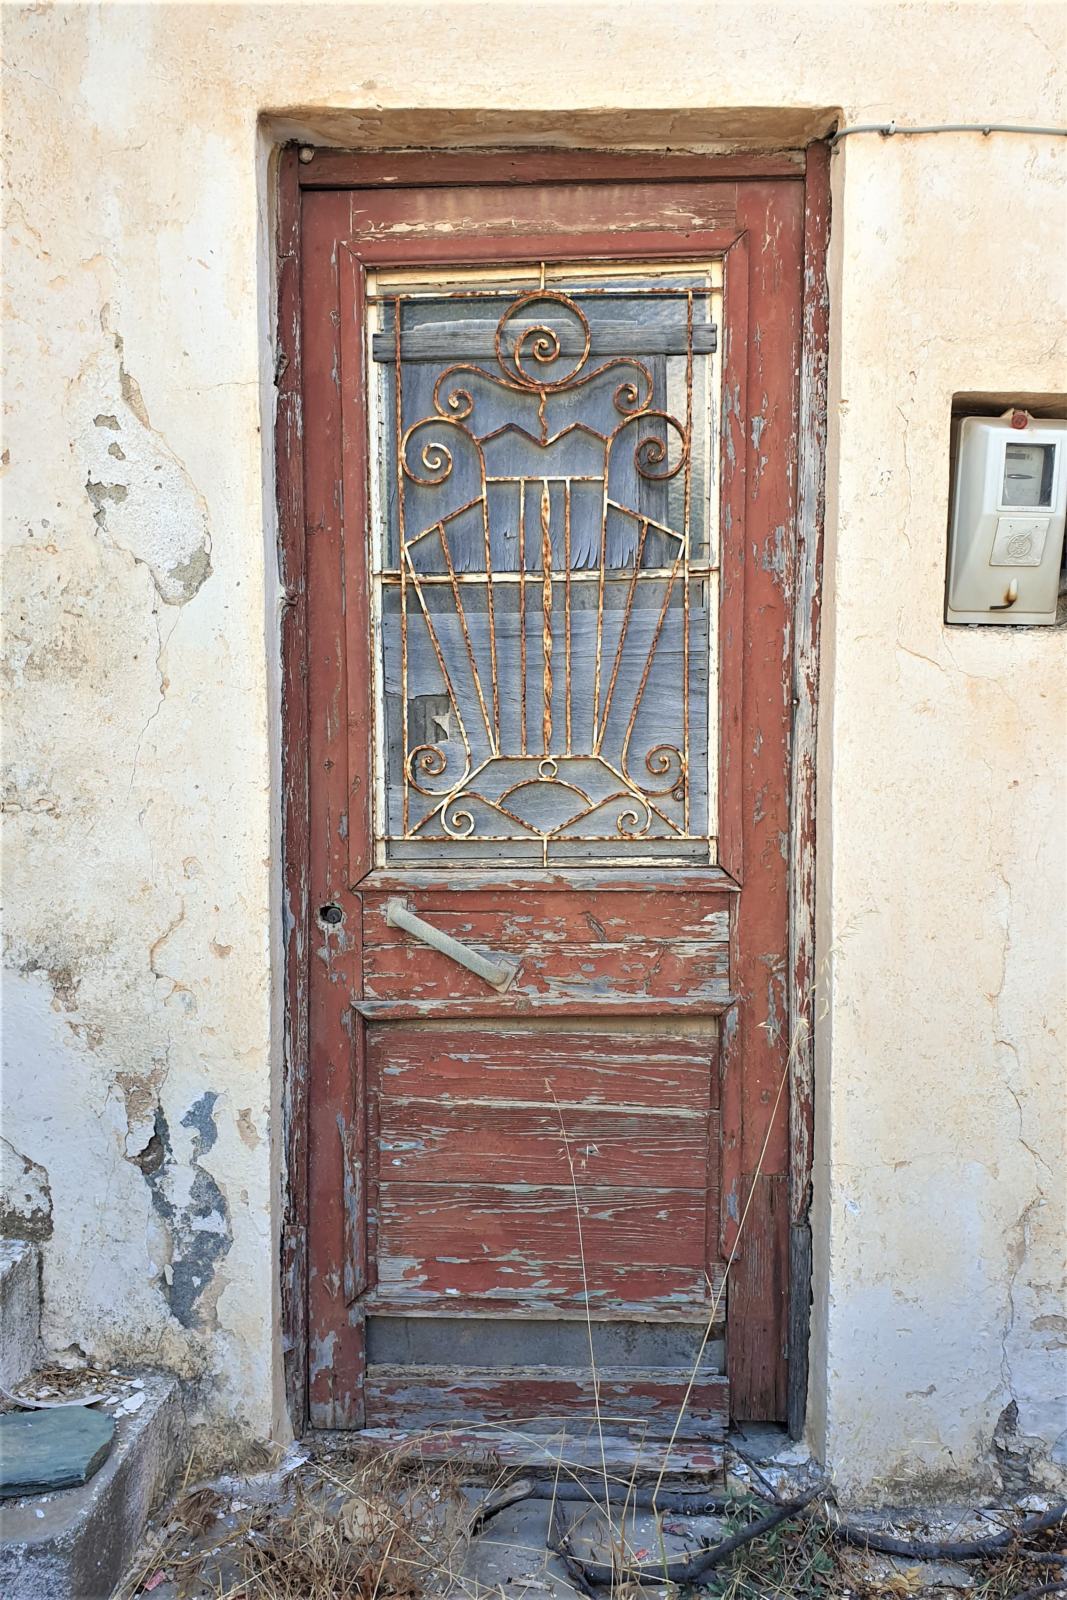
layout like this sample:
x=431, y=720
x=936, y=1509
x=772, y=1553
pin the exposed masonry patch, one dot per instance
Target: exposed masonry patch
x=1017, y=1455
x=100, y=494
x=143, y=499
x=25, y=1196
x=201, y=1117
x=193, y=1210
x=62, y=980
x=152, y=1157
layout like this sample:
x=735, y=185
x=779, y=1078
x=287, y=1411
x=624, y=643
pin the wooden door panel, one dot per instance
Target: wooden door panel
x=516, y=918
x=638, y=1250
x=498, y=1161
x=573, y=951
x=609, y=1065
x=423, y=1141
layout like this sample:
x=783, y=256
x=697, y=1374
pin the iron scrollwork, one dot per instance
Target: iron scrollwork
x=547, y=591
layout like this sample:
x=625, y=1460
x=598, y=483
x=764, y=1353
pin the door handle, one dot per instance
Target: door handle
x=500, y=975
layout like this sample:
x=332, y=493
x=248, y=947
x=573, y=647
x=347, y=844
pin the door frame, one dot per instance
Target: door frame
x=332, y=169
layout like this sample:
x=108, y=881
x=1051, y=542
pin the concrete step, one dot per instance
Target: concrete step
x=20, y=1309
x=75, y=1544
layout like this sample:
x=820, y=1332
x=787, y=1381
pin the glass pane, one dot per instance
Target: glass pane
x=546, y=566
x=1028, y=474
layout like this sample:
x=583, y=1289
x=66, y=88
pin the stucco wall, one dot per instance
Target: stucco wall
x=140, y=1099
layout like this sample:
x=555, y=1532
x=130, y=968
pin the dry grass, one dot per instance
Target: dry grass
x=801, y=1561
x=1014, y=1572
x=339, y=1527
x=55, y=1383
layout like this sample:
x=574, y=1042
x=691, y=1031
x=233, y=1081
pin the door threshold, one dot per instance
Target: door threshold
x=574, y=1451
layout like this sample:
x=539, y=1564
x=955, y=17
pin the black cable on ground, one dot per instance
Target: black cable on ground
x=601, y=1575
x=935, y=1550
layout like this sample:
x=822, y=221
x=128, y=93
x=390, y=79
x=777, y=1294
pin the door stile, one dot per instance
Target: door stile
x=289, y=458
x=757, y=1324
x=733, y=505
x=360, y=619
x=336, y=1353
x=732, y=552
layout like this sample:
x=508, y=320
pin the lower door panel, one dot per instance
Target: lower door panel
x=526, y=1176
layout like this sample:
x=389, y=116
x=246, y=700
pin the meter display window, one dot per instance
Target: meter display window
x=1028, y=475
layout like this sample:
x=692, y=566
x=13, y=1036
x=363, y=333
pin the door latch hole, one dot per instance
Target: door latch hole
x=331, y=914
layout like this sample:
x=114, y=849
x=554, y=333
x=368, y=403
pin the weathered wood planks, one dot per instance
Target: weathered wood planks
x=423, y=1141
x=648, y=1401
x=577, y=949
x=628, y=1247
x=641, y=1063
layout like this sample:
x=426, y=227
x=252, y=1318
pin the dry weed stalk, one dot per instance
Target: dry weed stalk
x=621, y=1558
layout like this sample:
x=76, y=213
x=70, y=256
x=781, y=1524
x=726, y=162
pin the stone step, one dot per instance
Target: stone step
x=75, y=1544
x=20, y=1310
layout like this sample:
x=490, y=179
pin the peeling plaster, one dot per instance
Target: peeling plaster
x=25, y=1196
x=194, y=1213
x=143, y=498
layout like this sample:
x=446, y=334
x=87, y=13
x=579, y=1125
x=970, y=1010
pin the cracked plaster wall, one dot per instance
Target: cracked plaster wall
x=141, y=1090
x=940, y=1326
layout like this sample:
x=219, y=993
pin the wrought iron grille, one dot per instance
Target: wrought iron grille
x=546, y=566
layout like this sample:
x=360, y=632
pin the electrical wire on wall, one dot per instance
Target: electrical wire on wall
x=888, y=129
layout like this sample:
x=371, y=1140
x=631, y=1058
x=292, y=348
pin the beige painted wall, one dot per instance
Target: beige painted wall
x=140, y=1098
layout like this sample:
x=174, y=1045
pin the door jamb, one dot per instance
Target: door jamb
x=505, y=167
x=289, y=477
x=807, y=595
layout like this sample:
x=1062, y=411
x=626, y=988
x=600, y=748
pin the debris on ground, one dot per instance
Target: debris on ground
x=51, y=1387
x=334, y=1526
x=347, y=1522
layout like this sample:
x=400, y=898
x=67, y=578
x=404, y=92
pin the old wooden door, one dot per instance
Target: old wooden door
x=548, y=492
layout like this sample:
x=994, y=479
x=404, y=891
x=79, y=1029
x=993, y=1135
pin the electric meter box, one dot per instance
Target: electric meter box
x=1008, y=508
